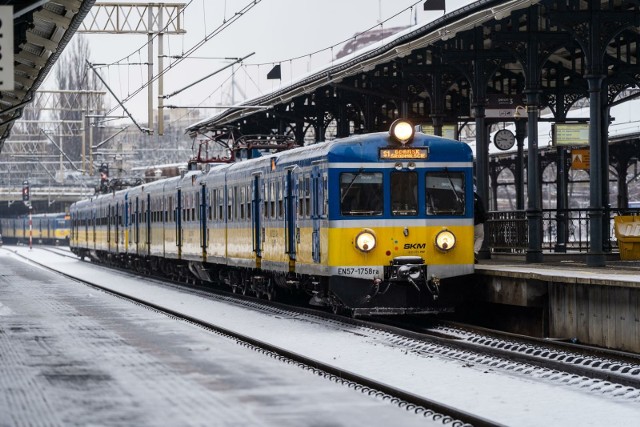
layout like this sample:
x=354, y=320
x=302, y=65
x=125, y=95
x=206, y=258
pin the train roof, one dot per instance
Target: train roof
x=366, y=148
x=352, y=149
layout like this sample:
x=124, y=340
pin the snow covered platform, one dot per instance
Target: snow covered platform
x=566, y=299
x=71, y=355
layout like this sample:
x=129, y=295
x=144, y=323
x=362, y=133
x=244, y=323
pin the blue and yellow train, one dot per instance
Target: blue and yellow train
x=369, y=224
x=47, y=229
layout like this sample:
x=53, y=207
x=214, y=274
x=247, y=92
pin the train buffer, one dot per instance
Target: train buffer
x=627, y=229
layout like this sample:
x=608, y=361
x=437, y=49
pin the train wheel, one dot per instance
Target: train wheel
x=271, y=293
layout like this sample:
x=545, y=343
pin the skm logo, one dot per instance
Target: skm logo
x=415, y=245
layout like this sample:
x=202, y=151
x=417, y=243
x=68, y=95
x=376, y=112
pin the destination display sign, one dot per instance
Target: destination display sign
x=404, y=153
x=448, y=131
x=570, y=134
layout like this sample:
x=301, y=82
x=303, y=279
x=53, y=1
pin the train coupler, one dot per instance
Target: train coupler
x=433, y=286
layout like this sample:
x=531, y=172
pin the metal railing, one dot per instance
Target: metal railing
x=508, y=231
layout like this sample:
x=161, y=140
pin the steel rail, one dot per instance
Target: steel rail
x=411, y=402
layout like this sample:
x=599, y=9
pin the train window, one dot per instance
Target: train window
x=445, y=193
x=325, y=202
x=272, y=200
x=280, y=200
x=307, y=198
x=214, y=205
x=361, y=193
x=248, y=202
x=242, y=202
x=209, y=206
x=229, y=205
x=197, y=211
x=300, y=198
x=220, y=202
x=404, y=193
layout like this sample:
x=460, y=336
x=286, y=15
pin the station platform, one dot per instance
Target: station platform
x=567, y=268
x=563, y=298
x=73, y=355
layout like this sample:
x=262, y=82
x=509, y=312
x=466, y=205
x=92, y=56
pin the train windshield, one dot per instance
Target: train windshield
x=404, y=193
x=361, y=193
x=445, y=193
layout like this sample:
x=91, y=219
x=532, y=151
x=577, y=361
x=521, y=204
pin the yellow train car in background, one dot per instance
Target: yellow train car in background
x=45, y=229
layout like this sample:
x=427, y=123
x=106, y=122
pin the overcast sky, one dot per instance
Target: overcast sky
x=276, y=30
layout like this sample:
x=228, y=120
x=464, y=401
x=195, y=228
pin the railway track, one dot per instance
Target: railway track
x=421, y=406
x=600, y=371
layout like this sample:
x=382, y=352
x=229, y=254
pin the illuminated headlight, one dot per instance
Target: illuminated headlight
x=445, y=240
x=366, y=241
x=402, y=131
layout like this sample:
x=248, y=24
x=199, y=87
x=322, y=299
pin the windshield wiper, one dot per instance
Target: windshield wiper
x=453, y=188
x=350, y=185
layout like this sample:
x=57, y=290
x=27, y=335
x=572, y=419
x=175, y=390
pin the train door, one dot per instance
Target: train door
x=148, y=224
x=179, y=222
x=256, y=218
x=50, y=226
x=127, y=222
x=317, y=203
x=109, y=226
x=122, y=227
x=116, y=227
x=136, y=225
x=203, y=221
x=290, y=217
x=93, y=228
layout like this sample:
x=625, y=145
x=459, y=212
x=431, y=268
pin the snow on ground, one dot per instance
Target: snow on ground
x=509, y=398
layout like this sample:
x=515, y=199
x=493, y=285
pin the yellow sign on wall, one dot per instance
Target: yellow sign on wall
x=580, y=158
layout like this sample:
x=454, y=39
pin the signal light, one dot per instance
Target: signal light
x=25, y=191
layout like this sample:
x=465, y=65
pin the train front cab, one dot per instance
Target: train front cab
x=401, y=221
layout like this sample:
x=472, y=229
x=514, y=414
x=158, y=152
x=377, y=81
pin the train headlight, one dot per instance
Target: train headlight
x=402, y=131
x=366, y=240
x=445, y=240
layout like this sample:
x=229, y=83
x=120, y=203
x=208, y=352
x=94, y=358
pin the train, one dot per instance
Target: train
x=46, y=229
x=370, y=224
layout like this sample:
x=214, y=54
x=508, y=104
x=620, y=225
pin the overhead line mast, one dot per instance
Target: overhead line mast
x=138, y=18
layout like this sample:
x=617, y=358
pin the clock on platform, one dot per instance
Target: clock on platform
x=504, y=139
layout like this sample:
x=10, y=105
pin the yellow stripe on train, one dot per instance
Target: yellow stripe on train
x=397, y=241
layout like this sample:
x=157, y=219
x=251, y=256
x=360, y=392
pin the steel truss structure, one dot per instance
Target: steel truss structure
x=542, y=54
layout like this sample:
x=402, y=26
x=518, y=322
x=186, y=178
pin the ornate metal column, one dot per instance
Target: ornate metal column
x=604, y=171
x=437, y=101
x=561, y=200
x=595, y=256
x=521, y=133
x=621, y=166
x=534, y=211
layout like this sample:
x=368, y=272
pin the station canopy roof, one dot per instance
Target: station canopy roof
x=496, y=18
x=42, y=29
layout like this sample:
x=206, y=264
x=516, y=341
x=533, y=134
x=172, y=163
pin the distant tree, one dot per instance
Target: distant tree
x=72, y=73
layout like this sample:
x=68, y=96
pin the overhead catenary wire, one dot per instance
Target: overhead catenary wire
x=218, y=30
x=379, y=24
x=144, y=130
x=239, y=60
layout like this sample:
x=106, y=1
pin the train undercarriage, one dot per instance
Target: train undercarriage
x=404, y=290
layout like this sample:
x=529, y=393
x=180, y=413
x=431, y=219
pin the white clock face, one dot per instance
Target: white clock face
x=504, y=139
